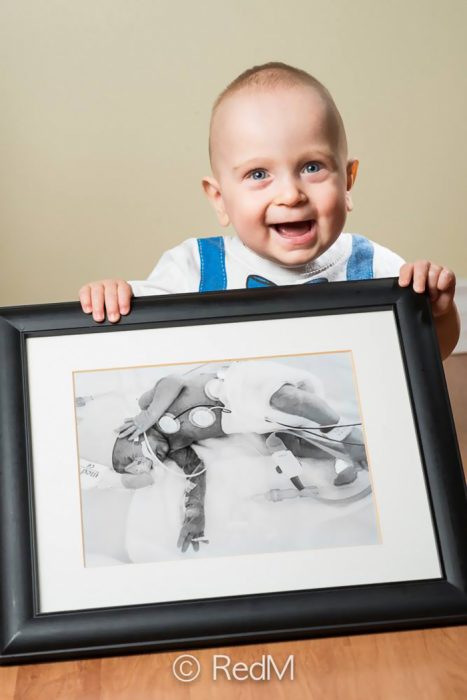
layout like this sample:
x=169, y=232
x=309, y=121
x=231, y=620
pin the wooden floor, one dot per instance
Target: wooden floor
x=428, y=664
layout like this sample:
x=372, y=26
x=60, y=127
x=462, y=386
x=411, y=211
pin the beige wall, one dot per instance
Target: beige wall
x=105, y=107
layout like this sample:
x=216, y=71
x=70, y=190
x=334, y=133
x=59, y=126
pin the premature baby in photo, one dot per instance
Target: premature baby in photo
x=284, y=403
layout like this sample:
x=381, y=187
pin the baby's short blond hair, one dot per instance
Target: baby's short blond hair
x=275, y=74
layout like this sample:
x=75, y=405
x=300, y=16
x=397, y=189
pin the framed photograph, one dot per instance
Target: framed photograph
x=226, y=467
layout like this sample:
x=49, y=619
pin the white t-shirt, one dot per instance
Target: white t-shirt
x=224, y=262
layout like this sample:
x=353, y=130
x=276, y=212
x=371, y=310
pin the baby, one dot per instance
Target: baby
x=257, y=396
x=249, y=396
x=282, y=178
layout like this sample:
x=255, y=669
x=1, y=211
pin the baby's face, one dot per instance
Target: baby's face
x=140, y=465
x=281, y=173
x=138, y=473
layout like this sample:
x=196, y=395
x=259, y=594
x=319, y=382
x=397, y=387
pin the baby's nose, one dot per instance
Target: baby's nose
x=139, y=466
x=289, y=193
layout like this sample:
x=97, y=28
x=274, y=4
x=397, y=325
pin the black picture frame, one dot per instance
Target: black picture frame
x=27, y=635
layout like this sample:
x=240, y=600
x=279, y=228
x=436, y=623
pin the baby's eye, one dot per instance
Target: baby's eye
x=258, y=172
x=312, y=167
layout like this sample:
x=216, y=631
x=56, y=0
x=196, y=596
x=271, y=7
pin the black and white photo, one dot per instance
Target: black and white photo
x=222, y=458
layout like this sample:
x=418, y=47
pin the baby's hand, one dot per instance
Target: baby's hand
x=192, y=531
x=129, y=429
x=132, y=428
x=440, y=282
x=111, y=296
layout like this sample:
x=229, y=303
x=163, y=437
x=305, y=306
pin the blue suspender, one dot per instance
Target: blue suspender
x=213, y=277
x=360, y=263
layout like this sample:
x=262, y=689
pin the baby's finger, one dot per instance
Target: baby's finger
x=111, y=301
x=433, y=276
x=85, y=298
x=442, y=304
x=446, y=280
x=125, y=423
x=128, y=422
x=97, y=300
x=126, y=433
x=183, y=540
x=405, y=274
x=124, y=294
x=420, y=275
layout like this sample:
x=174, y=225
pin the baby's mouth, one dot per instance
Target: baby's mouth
x=294, y=228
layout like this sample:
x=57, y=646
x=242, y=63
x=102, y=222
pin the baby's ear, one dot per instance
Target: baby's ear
x=212, y=191
x=352, y=168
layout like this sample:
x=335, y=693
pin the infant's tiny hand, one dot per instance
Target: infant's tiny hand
x=439, y=281
x=111, y=296
x=129, y=429
x=192, y=531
